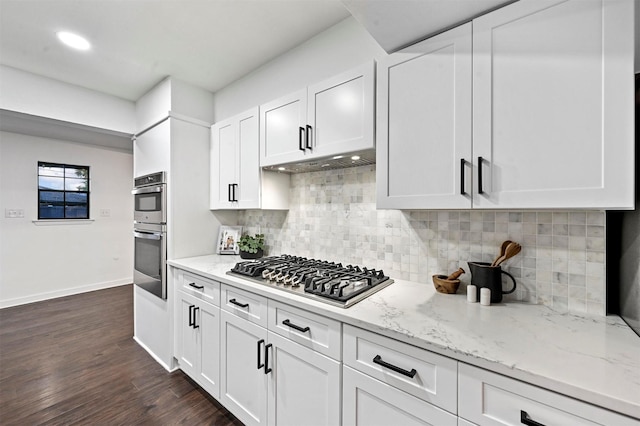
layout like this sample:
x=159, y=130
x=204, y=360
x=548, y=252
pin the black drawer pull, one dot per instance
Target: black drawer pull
x=267, y=369
x=260, y=343
x=480, y=161
x=192, y=317
x=301, y=145
x=526, y=420
x=242, y=305
x=195, y=309
x=308, y=138
x=194, y=285
x=297, y=327
x=411, y=374
x=462, y=164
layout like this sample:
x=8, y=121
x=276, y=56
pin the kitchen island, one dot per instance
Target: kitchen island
x=589, y=358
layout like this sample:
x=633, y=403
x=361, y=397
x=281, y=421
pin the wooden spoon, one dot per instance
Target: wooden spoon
x=512, y=250
x=503, y=248
x=456, y=274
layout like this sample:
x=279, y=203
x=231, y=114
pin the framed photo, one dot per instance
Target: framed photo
x=228, y=237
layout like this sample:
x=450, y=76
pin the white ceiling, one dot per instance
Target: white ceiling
x=136, y=43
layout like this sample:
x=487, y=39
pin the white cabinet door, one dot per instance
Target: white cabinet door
x=341, y=113
x=248, y=192
x=424, y=124
x=243, y=381
x=369, y=402
x=235, y=162
x=208, y=320
x=283, y=129
x=224, y=163
x=304, y=386
x=552, y=105
x=187, y=349
x=198, y=349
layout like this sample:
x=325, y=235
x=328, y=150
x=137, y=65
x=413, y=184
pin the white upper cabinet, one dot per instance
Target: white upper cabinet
x=424, y=124
x=282, y=129
x=333, y=117
x=549, y=105
x=236, y=179
x=553, y=105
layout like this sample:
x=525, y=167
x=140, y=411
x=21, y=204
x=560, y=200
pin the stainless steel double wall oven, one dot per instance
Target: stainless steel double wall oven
x=149, y=231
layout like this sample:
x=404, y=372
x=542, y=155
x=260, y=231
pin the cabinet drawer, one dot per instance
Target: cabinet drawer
x=488, y=398
x=201, y=287
x=367, y=401
x=434, y=377
x=244, y=304
x=308, y=329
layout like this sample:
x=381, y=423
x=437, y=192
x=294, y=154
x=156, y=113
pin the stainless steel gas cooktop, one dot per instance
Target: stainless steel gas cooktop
x=328, y=282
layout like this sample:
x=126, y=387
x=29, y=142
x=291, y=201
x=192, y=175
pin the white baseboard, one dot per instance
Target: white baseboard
x=64, y=292
x=154, y=356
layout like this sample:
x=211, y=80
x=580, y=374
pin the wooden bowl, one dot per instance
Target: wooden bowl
x=443, y=285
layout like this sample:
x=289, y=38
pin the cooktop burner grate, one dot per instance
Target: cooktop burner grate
x=329, y=282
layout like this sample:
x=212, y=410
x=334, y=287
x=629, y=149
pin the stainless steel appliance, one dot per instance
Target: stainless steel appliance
x=150, y=198
x=150, y=258
x=150, y=236
x=328, y=282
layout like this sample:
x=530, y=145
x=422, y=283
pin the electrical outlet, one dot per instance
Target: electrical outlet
x=13, y=213
x=105, y=212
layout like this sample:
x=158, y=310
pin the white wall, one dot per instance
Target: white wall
x=343, y=46
x=40, y=96
x=40, y=262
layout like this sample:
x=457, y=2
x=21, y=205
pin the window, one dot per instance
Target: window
x=63, y=191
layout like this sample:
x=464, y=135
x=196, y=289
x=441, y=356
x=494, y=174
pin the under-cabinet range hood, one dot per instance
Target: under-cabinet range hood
x=343, y=161
x=395, y=24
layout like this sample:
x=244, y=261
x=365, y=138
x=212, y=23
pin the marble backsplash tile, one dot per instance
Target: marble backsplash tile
x=333, y=216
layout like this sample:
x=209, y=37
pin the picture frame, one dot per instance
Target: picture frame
x=228, y=237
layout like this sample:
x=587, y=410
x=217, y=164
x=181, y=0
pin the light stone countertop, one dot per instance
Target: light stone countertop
x=591, y=358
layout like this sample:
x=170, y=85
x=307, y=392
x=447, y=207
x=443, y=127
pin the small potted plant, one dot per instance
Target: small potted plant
x=251, y=247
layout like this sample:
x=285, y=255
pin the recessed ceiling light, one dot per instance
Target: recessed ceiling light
x=73, y=40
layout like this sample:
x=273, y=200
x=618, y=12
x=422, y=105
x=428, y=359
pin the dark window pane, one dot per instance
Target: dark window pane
x=76, y=198
x=77, y=212
x=54, y=198
x=51, y=212
x=48, y=182
x=72, y=184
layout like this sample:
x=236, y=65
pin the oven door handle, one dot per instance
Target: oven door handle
x=148, y=190
x=147, y=235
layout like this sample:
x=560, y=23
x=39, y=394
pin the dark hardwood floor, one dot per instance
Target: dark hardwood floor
x=73, y=361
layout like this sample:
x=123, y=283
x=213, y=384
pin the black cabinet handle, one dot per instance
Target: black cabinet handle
x=242, y=305
x=260, y=343
x=378, y=360
x=526, y=420
x=480, y=160
x=462, y=164
x=192, y=317
x=234, y=186
x=194, y=285
x=308, y=138
x=229, y=193
x=195, y=309
x=267, y=369
x=301, y=139
x=297, y=327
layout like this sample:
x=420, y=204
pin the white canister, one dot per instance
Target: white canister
x=472, y=293
x=485, y=296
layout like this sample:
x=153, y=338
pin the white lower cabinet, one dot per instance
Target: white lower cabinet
x=487, y=398
x=370, y=402
x=198, y=329
x=269, y=379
